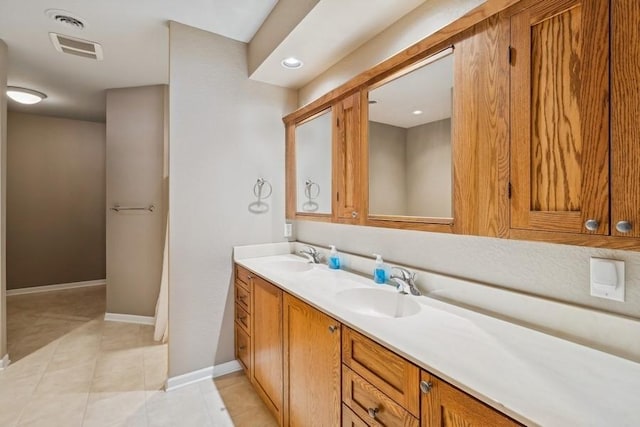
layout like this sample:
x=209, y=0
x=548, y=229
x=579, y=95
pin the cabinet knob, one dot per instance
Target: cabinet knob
x=333, y=328
x=372, y=412
x=242, y=317
x=623, y=226
x=592, y=224
x=425, y=386
x=249, y=276
x=242, y=347
x=354, y=214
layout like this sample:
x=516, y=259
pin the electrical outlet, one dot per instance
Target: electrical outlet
x=607, y=278
x=288, y=229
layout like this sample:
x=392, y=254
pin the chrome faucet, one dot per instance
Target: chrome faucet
x=311, y=254
x=405, y=280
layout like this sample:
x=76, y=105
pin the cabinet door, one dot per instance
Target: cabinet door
x=312, y=366
x=625, y=110
x=347, y=172
x=266, y=344
x=446, y=406
x=559, y=117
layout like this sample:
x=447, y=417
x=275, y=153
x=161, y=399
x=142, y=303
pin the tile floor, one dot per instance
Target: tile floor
x=71, y=368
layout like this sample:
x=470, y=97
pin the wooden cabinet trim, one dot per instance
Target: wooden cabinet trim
x=243, y=277
x=243, y=319
x=362, y=397
x=243, y=349
x=243, y=297
x=389, y=372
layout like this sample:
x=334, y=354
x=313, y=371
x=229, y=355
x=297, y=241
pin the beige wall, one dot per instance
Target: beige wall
x=411, y=28
x=429, y=169
x=55, y=200
x=4, y=63
x=387, y=169
x=226, y=132
x=556, y=271
x=135, y=171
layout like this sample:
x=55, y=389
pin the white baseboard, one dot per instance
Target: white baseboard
x=58, y=287
x=207, y=373
x=130, y=318
x=4, y=362
x=226, y=368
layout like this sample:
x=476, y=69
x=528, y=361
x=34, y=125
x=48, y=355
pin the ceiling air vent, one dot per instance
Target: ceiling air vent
x=78, y=47
x=65, y=18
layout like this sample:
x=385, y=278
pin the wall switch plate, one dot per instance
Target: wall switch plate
x=288, y=229
x=607, y=278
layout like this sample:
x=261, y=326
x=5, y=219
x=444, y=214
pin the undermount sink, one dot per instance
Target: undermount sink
x=378, y=302
x=291, y=266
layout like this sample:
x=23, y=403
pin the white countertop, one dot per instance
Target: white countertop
x=536, y=378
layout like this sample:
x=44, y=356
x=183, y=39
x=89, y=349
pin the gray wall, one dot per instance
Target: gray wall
x=55, y=200
x=135, y=161
x=387, y=169
x=226, y=132
x=4, y=64
x=429, y=169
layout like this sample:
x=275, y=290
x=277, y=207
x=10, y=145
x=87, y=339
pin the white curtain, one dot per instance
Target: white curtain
x=162, y=306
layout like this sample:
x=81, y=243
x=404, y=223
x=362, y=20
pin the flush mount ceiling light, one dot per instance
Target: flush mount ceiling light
x=25, y=96
x=416, y=112
x=291, y=63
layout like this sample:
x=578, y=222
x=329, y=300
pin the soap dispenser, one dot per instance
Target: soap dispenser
x=334, y=258
x=380, y=270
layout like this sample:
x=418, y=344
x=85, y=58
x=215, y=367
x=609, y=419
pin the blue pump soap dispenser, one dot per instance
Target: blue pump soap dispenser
x=334, y=258
x=380, y=270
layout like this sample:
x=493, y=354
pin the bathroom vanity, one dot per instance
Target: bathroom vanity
x=330, y=348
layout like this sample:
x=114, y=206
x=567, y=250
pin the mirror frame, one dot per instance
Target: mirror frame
x=436, y=224
x=291, y=205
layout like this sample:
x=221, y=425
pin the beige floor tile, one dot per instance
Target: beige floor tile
x=242, y=403
x=74, y=379
x=106, y=409
x=64, y=410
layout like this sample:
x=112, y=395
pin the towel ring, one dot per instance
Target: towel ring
x=258, y=187
x=309, y=189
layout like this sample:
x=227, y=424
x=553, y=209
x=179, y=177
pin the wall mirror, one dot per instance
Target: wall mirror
x=313, y=145
x=409, y=140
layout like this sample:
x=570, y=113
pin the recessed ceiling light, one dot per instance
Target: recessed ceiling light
x=416, y=112
x=291, y=63
x=25, y=96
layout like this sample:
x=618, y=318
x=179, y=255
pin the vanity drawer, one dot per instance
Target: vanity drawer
x=243, y=298
x=243, y=277
x=350, y=419
x=243, y=347
x=243, y=319
x=371, y=405
x=390, y=373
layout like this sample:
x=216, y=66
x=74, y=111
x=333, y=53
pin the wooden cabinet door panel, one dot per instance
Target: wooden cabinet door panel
x=390, y=373
x=347, y=160
x=312, y=366
x=446, y=406
x=350, y=419
x=243, y=349
x=266, y=344
x=559, y=116
x=625, y=111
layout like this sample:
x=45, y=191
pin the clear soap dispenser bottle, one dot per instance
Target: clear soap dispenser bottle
x=380, y=270
x=334, y=258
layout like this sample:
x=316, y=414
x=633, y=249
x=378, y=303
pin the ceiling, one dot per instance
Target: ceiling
x=427, y=89
x=135, y=39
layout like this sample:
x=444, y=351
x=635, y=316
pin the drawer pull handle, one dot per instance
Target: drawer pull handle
x=425, y=386
x=242, y=317
x=242, y=297
x=373, y=412
x=333, y=328
x=624, y=226
x=249, y=277
x=592, y=224
x=242, y=347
